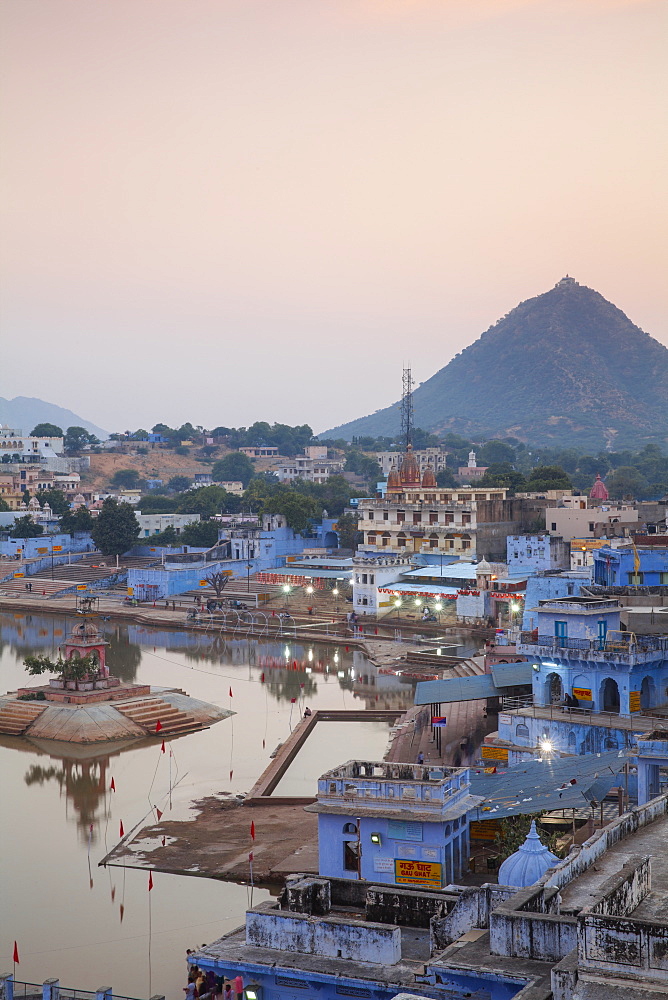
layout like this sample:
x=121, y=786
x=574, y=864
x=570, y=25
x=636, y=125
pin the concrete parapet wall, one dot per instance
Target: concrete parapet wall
x=581, y=858
x=403, y=907
x=472, y=909
x=332, y=937
x=529, y=925
x=622, y=893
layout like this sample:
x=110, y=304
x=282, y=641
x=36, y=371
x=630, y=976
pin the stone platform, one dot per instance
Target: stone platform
x=133, y=715
x=67, y=696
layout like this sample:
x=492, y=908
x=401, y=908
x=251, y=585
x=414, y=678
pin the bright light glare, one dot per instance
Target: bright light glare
x=310, y=654
x=397, y=603
x=514, y=606
x=286, y=588
x=438, y=606
x=418, y=602
x=336, y=591
x=309, y=590
x=547, y=746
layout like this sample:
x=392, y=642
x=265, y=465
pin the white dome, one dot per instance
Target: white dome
x=483, y=568
x=529, y=863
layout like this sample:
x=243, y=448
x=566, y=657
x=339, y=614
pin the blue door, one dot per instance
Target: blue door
x=602, y=633
x=561, y=632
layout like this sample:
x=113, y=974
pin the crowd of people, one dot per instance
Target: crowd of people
x=210, y=985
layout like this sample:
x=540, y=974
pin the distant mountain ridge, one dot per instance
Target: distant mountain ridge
x=566, y=368
x=25, y=412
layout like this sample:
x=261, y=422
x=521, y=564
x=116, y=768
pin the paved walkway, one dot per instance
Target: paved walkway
x=649, y=841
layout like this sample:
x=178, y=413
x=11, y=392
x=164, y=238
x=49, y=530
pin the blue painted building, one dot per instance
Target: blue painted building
x=642, y=566
x=398, y=824
x=583, y=661
x=547, y=586
x=537, y=553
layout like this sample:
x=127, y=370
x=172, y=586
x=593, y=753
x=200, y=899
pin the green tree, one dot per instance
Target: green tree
x=25, y=527
x=494, y=452
x=502, y=476
x=201, y=534
x=297, y=509
x=56, y=500
x=346, y=528
x=77, y=520
x=47, y=430
x=116, y=528
x=513, y=833
x=626, y=482
x=76, y=668
x=547, y=477
x=4, y=506
x=126, y=479
x=179, y=483
x=446, y=479
x=157, y=503
x=235, y=467
x=206, y=501
x=77, y=437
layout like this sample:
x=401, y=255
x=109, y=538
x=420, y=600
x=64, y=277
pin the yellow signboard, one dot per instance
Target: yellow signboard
x=424, y=873
x=634, y=701
x=582, y=694
x=42, y=550
x=57, y=548
x=484, y=829
x=227, y=572
x=131, y=591
x=81, y=586
x=204, y=583
x=495, y=753
x=18, y=574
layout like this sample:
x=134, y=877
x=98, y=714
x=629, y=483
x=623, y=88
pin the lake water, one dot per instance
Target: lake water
x=93, y=927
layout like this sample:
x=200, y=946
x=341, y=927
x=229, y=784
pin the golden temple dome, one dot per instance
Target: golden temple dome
x=409, y=470
x=428, y=478
x=393, y=481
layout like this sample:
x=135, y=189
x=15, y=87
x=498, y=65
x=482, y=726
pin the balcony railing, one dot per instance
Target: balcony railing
x=619, y=644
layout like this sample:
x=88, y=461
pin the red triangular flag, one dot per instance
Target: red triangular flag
x=122, y=830
x=16, y=953
x=112, y=786
x=121, y=911
x=231, y=773
x=150, y=881
x=158, y=726
x=162, y=748
x=159, y=813
x=252, y=830
x=230, y=692
x=164, y=841
x=113, y=893
x=292, y=701
x=262, y=678
x=250, y=857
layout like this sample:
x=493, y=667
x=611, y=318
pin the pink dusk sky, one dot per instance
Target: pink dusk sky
x=234, y=210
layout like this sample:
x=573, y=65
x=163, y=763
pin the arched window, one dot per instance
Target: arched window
x=522, y=732
x=571, y=740
x=401, y=538
x=350, y=828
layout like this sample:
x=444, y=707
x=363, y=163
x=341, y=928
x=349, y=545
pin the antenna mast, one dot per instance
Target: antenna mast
x=407, y=406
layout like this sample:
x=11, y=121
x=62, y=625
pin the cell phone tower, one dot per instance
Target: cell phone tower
x=407, y=407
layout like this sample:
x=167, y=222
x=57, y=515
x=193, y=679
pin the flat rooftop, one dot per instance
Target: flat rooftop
x=414, y=954
x=649, y=841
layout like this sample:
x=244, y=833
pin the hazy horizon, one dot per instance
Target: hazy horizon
x=235, y=211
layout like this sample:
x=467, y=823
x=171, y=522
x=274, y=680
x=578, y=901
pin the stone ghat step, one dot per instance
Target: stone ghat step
x=147, y=714
x=15, y=717
x=39, y=587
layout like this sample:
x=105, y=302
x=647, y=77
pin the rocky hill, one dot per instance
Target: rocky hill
x=25, y=412
x=566, y=368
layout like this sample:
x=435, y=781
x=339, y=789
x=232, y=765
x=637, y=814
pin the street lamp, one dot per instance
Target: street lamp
x=336, y=597
x=286, y=591
x=397, y=605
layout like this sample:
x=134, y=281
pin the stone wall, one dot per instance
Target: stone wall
x=529, y=925
x=403, y=907
x=472, y=909
x=332, y=937
x=581, y=858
